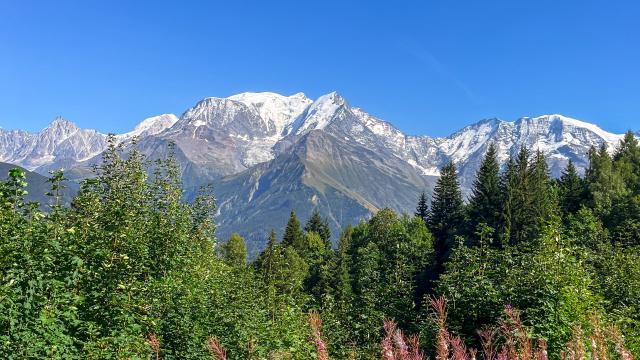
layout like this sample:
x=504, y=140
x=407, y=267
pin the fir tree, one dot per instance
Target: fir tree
x=320, y=226
x=447, y=213
x=486, y=200
x=604, y=183
x=543, y=203
x=422, y=211
x=571, y=190
x=518, y=205
x=293, y=235
x=627, y=161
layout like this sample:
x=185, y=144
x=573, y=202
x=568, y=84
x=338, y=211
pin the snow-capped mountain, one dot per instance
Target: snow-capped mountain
x=267, y=153
x=59, y=144
x=150, y=126
x=63, y=144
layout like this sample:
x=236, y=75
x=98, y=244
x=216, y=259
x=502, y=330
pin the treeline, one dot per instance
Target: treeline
x=129, y=270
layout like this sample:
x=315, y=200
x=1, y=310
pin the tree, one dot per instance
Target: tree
x=571, y=190
x=234, y=251
x=293, y=235
x=529, y=198
x=422, y=210
x=627, y=161
x=604, y=182
x=446, y=217
x=320, y=226
x=485, y=205
x=544, y=203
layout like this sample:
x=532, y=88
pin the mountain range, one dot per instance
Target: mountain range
x=267, y=153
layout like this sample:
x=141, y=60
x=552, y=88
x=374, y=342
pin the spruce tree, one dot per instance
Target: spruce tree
x=604, y=183
x=627, y=161
x=320, y=226
x=422, y=210
x=508, y=182
x=517, y=210
x=486, y=199
x=571, y=190
x=293, y=235
x=543, y=203
x=446, y=217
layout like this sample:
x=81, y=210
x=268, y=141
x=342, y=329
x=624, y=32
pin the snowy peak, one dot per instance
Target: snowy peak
x=151, y=126
x=60, y=127
x=321, y=113
x=569, y=124
x=276, y=110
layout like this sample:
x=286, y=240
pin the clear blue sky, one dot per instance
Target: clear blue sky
x=429, y=67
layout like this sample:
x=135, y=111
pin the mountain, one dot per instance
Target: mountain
x=268, y=153
x=343, y=180
x=150, y=126
x=38, y=186
x=60, y=144
x=63, y=144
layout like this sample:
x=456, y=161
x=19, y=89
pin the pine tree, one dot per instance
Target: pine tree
x=293, y=235
x=447, y=213
x=320, y=226
x=422, y=211
x=486, y=200
x=572, y=190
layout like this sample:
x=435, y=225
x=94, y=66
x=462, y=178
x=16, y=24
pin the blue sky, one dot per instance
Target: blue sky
x=429, y=67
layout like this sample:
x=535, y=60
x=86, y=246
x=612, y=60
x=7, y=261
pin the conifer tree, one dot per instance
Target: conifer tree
x=447, y=213
x=486, y=201
x=422, y=210
x=508, y=182
x=265, y=262
x=518, y=206
x=320, y=226
x=543, y=203
x=571, y=190
x=293, y=235
x=342, y=280
x=627, y=161
x=604, y=182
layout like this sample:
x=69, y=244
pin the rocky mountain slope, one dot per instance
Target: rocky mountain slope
x=267, y=153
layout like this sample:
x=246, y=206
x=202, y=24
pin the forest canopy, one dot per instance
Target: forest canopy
x=129, y=269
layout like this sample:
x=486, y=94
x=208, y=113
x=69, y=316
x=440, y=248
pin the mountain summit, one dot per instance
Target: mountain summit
x=267, y=153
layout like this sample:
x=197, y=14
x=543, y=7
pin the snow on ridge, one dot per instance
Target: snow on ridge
x=275, y=109
x=609, y=137
x=321, y=111
x=151, y=126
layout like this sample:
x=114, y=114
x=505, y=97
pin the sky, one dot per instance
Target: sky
x=429, y=67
